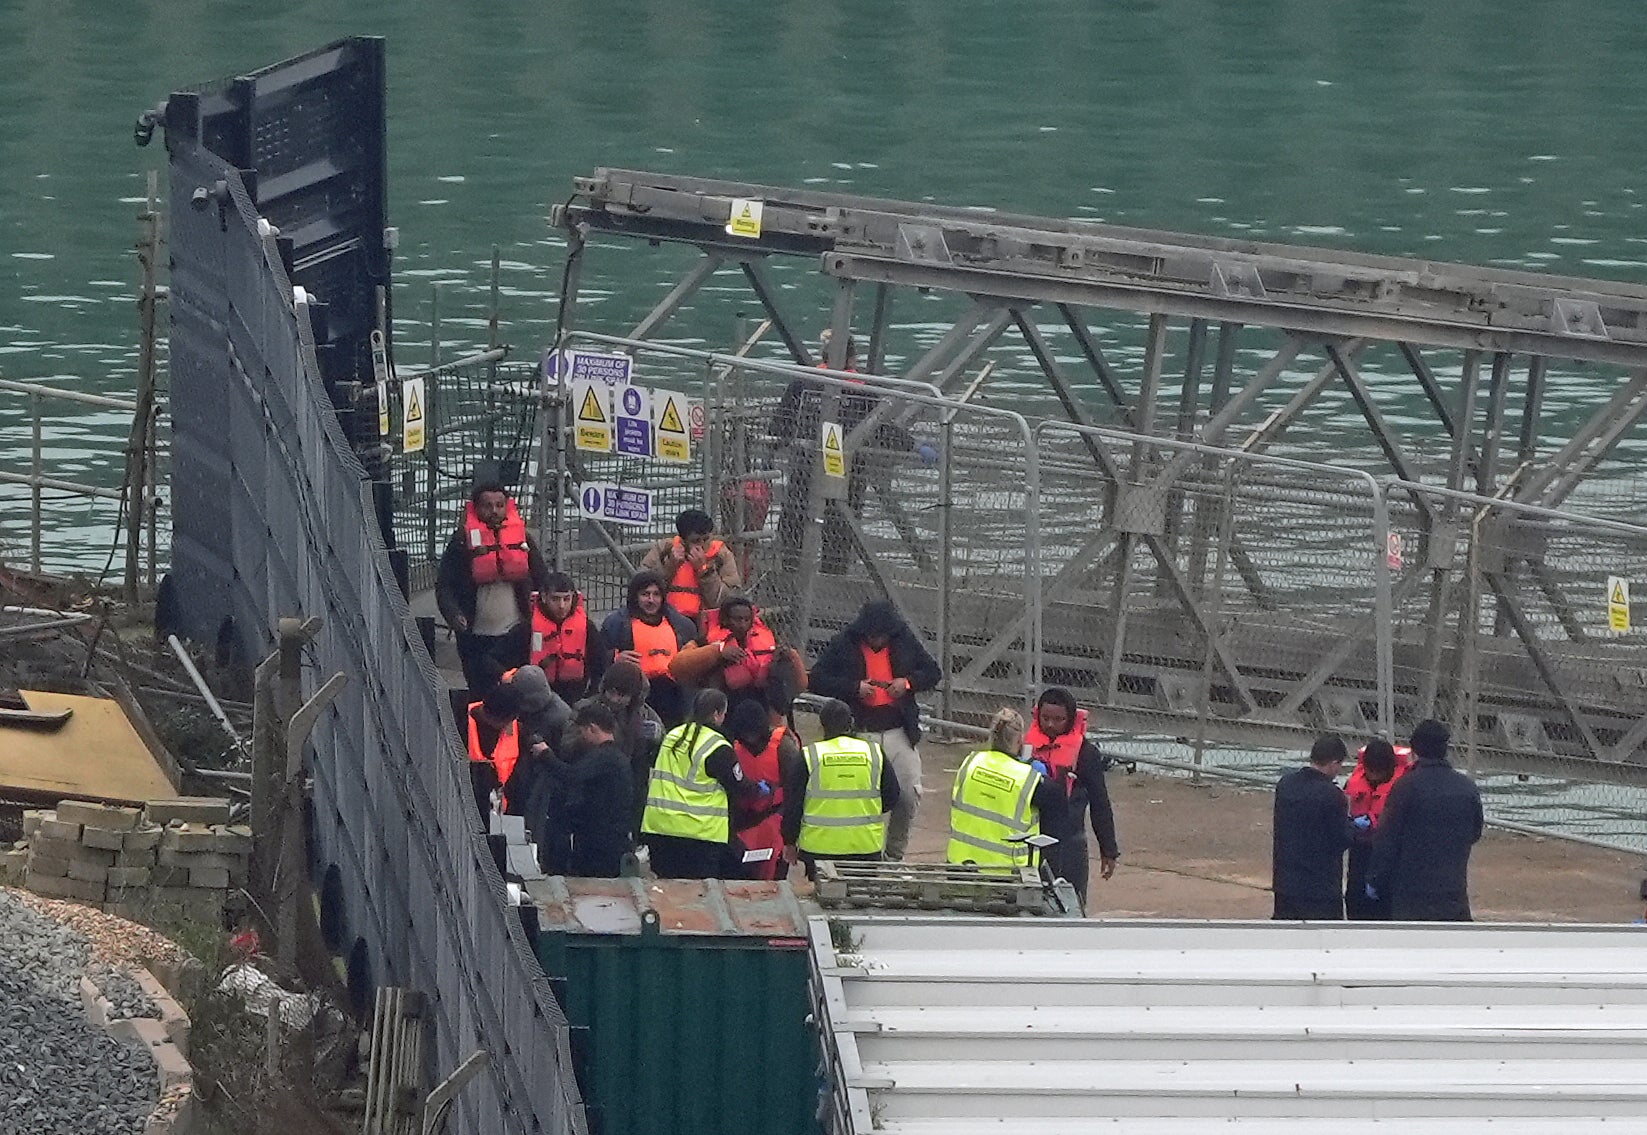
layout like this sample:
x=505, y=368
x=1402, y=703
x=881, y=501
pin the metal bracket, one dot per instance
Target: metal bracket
x=1236, y=281
x=1140, y=509
x=1578, y=318
x=1523, y=733
x=923, y=244
x=1339, y=713
x=1178, y=695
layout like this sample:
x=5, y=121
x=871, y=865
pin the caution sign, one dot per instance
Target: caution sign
x=1618, y=603
x=669, y=428
x=411, y=416
x=834, y=451
x=745, y=219
x=592, y=416
x=380, y=374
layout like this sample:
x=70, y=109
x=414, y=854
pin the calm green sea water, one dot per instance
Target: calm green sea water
x=1506, y=133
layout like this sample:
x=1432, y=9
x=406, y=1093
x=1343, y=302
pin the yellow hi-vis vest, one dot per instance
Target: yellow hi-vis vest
x=682, y=799
x=992, y=801
x=842, y=815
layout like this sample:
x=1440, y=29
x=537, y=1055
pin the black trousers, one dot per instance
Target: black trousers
x=1288, y=908
x=676, y=857
x=1068, y=860
x=486, y=657
x=1356, y=903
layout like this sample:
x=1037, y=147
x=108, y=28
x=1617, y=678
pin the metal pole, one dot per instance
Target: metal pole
x=946, y=561
x=151, y=492
x=34, y=488
x=137, y=449
x=490, y=430
x=431, y=504
x=1226, y=536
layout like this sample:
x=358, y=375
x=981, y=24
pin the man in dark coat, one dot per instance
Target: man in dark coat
x=589, y=826
x=1421, y=855
x=883, y=702
x=1312, y=831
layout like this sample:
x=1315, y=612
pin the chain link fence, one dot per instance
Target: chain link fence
x=275, y=518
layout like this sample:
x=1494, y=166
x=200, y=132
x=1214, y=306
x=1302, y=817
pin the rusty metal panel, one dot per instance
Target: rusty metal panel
x=679, y=906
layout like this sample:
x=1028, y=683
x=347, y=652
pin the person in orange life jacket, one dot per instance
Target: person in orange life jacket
x=484, y=587
x=1056, y=743
x=649, y=633
x=494, y=738
x=590, y=822
x=797, y=427
x=1377, y=768
x=834, y=720
x=680, y=857
x=767, y=753
x=698, y=570
x=1312, y=830
x=748, y=647
x=565, y=641
x=877, y=665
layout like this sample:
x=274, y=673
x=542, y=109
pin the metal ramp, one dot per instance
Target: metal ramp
x=1147, y=1028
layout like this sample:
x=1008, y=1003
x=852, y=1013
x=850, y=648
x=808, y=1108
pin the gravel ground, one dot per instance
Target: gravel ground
x=59, y=1072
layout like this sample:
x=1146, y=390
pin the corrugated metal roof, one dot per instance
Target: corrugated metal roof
x=1189, y=1028
x=679, y=906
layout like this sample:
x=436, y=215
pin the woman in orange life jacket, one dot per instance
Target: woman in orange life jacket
x=698, y=570
x=565, y=642
x=649, y=633
x=1377, y=767
x=767, y=753
x=747, y=650
x=484, y=587
x=1056, y=743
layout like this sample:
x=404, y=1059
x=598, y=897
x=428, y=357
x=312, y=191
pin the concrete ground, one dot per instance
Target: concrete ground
x=1203, y=851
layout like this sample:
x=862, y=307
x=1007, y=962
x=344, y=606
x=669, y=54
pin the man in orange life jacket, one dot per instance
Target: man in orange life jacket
x=767, y=752
x=649, y=633
x=1056, y=744
x=797, y=426
x=748, y=647
x=565, y=642
x=1377, y=767
x=494, y=737
x=698, y=570
x=876, y=666
x=484, y=587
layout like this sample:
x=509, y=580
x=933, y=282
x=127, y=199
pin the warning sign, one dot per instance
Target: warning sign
x=1618, y=603
x=634, y=410
x=695, y=418
x=1392, y=552
x=669, y=426
x=411, y=416
x=593, y=416
x=745, y=219
x=834, y=453
x=380, y=373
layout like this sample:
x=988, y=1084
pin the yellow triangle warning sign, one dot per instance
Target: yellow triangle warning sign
x=591, y=410
x=414, y=407
x=832, y=440
x=671, y=420
x=1618, y=595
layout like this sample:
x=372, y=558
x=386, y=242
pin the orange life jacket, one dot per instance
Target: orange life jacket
x=1059, y=753
x=1367, y=799
x=504, y=755
x=877, y=671
x=759, y=651
x=561, y=648
x=655, y=645
x=683, y=588
x=762, y=829
x=495, y=556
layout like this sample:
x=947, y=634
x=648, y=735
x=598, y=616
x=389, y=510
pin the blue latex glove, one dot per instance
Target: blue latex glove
x=764, y=787
x=1041, y=767
x=1362, y=822
x=1372, y=892
x=927, y=452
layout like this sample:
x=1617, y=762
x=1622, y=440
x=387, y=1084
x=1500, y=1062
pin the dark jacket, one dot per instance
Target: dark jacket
x=664, y=695
x=841, y=667
x=1312, y=832
x=455, y=584
x=799, y=417
x=1090, y=791
x=590, y=813
x=1421, y=854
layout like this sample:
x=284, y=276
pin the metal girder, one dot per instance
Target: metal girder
x=1094, y=356
x=1432, y=389
x=1354, y=637
x=1065, y=392
x=1565, y=470
x=1541, y=661
x=1375, y=419
x=767, y=294
x=678, y=295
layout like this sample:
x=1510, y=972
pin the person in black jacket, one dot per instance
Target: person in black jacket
x=877, y=665
x=1421, y=854
x=484, y=585
x=649, y=633
x=1312, y=831
x=589, y=825
x=1056, y=716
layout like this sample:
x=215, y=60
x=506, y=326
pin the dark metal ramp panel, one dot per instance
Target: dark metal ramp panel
x=1224, y=1028
x=275, y=518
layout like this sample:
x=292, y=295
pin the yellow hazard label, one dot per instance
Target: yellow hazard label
x=834, y=451
x=669, y=424
x=745, y=219
x=594, y=421
x=590, y=409
x=1618, y=603
x=412, y=416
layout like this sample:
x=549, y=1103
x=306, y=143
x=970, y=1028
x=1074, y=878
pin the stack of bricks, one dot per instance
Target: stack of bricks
x=172, y=860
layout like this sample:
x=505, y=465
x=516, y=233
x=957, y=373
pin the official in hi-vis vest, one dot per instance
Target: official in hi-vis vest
x=687, y=824
x=839, y=809
x=997, y=796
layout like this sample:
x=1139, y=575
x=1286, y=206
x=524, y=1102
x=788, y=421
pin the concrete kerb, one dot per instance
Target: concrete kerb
x=167, y=1042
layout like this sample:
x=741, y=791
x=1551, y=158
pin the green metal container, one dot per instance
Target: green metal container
x=690, y=1001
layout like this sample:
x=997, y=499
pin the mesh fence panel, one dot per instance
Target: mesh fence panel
x=394, y=825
